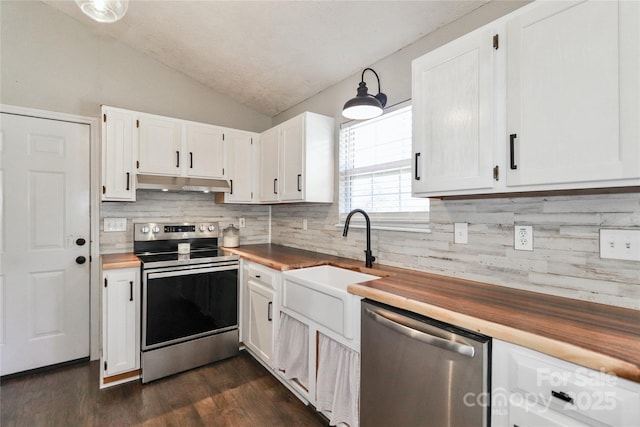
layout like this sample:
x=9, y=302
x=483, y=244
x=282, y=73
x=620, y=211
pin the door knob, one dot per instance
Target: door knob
x=80, y=242
x=81, y=260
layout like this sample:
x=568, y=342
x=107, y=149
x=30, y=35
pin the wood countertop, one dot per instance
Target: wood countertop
x=114, y=261
x=597, y=336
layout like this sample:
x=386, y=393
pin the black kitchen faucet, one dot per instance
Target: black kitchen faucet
x=369, y=258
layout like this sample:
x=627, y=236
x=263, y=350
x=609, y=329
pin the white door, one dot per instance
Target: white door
x=45, y=284
x=205, y=152
x=260, y=337
x=120, y=303
x=118, y=173
x=291, y=158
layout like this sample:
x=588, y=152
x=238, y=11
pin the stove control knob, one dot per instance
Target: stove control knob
x=211, y=227
x=203, y=227
x=156, y=229
x=145, y=229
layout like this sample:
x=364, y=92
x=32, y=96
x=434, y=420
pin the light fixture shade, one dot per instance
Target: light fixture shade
x=106, y=11
x=365, y=106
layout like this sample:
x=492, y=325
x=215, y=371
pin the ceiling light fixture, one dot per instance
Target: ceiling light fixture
x=104, y=10
x=365, y=106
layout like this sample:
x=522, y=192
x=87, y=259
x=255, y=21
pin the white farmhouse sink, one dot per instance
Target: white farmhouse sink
x=320, y=294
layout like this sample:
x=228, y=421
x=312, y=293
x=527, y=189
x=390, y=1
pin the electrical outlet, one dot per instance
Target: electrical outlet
x=460, y=233
x=242, y=223
x=523, y=238
x=304, y=223
x=620, y=244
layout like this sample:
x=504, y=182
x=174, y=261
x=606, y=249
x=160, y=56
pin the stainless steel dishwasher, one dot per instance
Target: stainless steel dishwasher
x=417, y=371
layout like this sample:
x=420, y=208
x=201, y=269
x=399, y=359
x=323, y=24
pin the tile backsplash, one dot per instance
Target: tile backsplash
x=565, y=260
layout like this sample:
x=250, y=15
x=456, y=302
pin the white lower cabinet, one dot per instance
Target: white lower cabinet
x=531, y=389
x=260, y=284
x=120, y=326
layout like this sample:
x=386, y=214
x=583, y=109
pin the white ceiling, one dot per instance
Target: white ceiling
x=271, y=55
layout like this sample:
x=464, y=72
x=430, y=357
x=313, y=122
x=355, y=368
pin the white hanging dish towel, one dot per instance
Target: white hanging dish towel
x=292, y=350
x=338, y=383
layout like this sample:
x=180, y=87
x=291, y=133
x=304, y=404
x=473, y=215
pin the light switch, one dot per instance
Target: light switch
x=620, y=244
x=115, y=224
x=460, y=233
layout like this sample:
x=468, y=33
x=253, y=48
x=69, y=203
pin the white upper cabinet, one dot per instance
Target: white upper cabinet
x=159, y=146
x=269, y=165
x=241, y=160
x=204, y=154
x=296, y=160
x=118, y=172
x=554, y=105
x=573, y=94
x=454, y=113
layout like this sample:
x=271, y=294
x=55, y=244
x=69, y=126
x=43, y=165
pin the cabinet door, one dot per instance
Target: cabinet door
x=573, y=93
x=269, y=185
x=117, y=156
x=240, y=167
x=120, y=301
x=454, y=104
x=159, y=146
x=292, y=140
x=204, y=156
x=260, y=331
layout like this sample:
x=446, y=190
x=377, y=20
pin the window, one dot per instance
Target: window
x=375, y=171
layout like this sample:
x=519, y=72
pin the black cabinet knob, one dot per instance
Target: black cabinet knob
x=81, y=260
x=80, y=242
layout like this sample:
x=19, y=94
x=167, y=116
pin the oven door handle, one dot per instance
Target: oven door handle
x=190, y=271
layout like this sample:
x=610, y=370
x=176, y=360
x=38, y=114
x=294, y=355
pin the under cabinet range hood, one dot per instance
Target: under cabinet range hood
x=176, y=183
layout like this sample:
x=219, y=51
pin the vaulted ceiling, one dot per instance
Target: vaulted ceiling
x=271, y=55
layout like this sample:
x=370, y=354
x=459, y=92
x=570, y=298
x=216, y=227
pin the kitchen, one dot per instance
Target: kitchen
x=565, y=261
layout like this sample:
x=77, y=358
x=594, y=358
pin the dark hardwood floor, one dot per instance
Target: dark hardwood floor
x=234, y=392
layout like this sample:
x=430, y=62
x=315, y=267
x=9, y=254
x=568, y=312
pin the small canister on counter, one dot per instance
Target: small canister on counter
x=231, y=237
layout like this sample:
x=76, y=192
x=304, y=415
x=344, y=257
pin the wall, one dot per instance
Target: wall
x=565, y=260
x=52, y=62
x=158, y=206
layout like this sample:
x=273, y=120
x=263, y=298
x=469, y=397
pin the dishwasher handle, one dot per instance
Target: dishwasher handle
x=465, y=350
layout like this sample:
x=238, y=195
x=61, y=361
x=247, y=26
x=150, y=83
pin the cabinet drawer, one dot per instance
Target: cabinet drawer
x=261, y=274
x=590, y=396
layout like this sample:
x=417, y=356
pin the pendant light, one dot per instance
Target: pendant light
x=106, y=11
x=365, y=106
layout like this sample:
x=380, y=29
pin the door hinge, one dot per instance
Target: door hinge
x=105, y=282
x=104, y=189
x=137, y=123
x=496, y=41
x=105, y=365
x=496, y=173
x=137, y=164
x=104, y=117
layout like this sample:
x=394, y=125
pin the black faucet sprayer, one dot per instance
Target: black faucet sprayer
x=369, y=258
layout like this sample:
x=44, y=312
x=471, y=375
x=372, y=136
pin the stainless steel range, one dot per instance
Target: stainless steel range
x=189, y=297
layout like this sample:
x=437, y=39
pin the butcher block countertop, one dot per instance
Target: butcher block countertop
x=114, y=261
x=597, y=336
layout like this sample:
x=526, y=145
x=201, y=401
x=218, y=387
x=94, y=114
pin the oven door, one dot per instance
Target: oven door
x=188, y=302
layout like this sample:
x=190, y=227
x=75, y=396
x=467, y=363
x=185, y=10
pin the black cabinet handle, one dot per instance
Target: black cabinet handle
x=512, y=158
x=299, y=183
x=130, y=290
x=415, y=171
x=128, y=176
x=275, y=185
x=191, y=159
x=177, y=159
x=270, y=311
x=231, y=185
x=562, y=396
